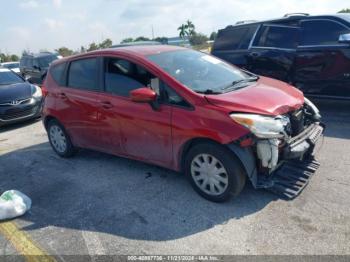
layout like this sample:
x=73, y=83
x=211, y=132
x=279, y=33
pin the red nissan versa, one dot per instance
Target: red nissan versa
x=186, y=111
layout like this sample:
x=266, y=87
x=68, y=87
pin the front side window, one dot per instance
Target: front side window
x=83, y=74
x=9, y=78
x=201, y=72
x=322, y=32
x=278, y=37
x=122, y=76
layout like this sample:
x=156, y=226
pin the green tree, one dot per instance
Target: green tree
x=345, y=10
x=127, y=40
x=213, y=35
x=92, y=47
x=14, y=58
x=191, y=29
x=64, y=51
x=182, y=30
x=107, y=43
x=142, y=38
x=163, y=39
x=198, y=39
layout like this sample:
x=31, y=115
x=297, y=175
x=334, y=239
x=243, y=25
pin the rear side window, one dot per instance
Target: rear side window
x=278, y=37
x=235, y=38
x=321, y=32
x=57, y=73
x=83, y=74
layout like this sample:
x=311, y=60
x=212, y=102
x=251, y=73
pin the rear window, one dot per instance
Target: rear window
x=83, y=74
x=278, y=37
x=235, y=38
x=57, y=73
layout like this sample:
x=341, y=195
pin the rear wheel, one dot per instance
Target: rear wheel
x=214, y=172
x=59, y=139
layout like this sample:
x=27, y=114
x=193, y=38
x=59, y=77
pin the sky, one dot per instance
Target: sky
x=49, y=24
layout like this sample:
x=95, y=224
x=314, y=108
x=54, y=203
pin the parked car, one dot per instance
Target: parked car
x=14, y=66
x=186, y=111
x=310, y=52
x=19, y=100
x=33, y=67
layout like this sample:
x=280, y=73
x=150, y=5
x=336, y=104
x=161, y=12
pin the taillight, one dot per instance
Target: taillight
x=44, y=91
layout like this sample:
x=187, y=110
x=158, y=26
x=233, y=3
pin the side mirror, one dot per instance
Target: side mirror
x=143, y=95
x=345, y=39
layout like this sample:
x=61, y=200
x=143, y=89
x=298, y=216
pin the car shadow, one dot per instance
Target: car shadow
x=98, y=192
x=14, y=126
x=336, y=116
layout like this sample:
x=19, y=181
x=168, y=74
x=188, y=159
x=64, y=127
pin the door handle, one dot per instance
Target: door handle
x=62, y=96
x=106, y=105
x=254, y=54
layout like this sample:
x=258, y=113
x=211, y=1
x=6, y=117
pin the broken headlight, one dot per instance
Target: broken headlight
x=263, y=126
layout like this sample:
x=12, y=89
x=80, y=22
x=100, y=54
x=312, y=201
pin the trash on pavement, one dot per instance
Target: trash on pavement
x=13, y=204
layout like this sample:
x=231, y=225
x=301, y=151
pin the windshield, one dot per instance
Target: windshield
x=46, y=60
x=8, y=78
x=11, y=66
x=201, y=72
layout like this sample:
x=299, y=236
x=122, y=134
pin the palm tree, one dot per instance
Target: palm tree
x=190, y=28
x=182, y=30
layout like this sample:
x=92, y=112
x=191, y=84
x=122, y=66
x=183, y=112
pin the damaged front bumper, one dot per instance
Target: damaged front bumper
x=288, y=175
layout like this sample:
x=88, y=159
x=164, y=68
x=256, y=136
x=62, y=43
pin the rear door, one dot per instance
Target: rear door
x=77, y=102
x=322, y=65
x=273, y=51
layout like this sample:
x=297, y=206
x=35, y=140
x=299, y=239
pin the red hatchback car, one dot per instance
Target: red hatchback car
x=186, y=111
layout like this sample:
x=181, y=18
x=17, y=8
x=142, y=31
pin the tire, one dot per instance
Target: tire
x=59, y=139
x=227, y=176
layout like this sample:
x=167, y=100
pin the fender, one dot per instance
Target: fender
x=248, y=160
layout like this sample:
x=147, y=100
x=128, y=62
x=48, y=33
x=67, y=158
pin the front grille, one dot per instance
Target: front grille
x=13, y=115
x=16, y=102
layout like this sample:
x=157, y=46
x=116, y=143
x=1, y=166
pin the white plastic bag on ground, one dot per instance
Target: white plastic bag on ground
x=13, y=204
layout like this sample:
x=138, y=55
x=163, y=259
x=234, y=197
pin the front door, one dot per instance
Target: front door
x=273, y=51
x=322, y=64
x=133, y=129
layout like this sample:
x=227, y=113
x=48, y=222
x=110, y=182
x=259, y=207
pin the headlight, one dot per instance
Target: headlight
x=315, y=110
x=36, y=92
x=263, y=126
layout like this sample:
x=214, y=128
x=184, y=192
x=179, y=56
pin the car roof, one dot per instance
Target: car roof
x=42, y=54
x=138, y=50
x=9, y=63
x=291, y=18
x=4, y=69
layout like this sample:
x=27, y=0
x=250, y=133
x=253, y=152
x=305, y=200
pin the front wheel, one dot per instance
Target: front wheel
x=214, y=172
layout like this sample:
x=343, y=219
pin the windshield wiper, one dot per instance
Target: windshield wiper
x=244, y=80
x=207, y=92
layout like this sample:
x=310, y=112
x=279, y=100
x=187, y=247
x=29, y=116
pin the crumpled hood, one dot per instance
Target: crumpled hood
x=15, y=92
x=267, y=96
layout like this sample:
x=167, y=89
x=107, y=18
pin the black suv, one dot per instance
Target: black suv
x=310, y=52
x=33, y=67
